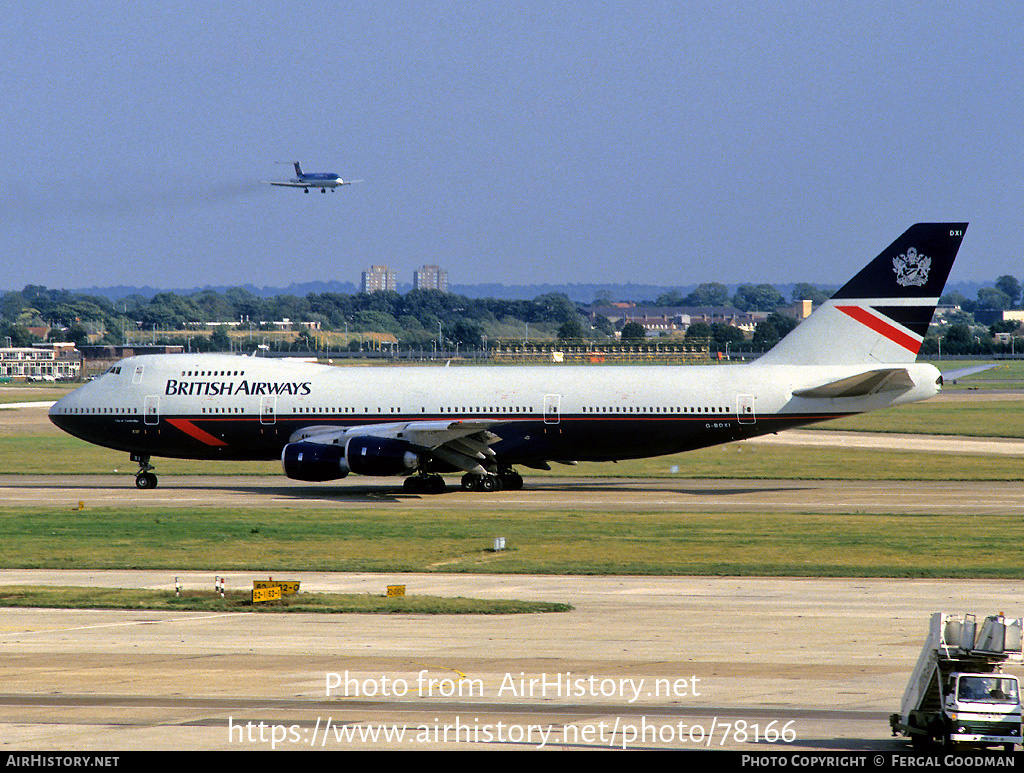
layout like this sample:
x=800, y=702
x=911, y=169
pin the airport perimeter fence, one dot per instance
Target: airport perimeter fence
x=597, y=352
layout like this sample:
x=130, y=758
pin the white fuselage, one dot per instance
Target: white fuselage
x=222, y=406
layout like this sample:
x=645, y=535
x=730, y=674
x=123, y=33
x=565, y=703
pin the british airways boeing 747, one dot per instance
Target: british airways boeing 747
x=857, y=352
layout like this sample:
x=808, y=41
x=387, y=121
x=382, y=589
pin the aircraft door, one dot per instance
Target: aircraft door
x=551, y=408
x=151, y=410
x=268, y=409
x=745, y=409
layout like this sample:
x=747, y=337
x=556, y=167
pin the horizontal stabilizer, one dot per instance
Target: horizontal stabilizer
x=950, y=376
x=869, y=383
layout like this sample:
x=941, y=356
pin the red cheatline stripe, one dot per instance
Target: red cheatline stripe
x=191, y=429
x=895, y=335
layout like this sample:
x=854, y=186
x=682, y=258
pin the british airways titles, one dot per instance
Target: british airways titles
x=251, y=388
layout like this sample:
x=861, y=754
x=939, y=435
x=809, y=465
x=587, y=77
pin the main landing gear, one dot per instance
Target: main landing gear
x=505, y=480
x=144, y=478
x=425, y=484
x=429, y=483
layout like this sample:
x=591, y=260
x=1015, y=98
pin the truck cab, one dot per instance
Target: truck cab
x=982, y=708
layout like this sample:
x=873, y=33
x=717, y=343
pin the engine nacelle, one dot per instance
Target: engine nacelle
x=314, y=461
x=368, y=455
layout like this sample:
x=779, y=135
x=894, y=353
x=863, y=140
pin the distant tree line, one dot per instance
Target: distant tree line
x=416, y=317
x=762, y=297
x=421, y=316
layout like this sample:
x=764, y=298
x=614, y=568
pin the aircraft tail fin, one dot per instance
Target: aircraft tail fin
x=298, y=169
x=883, y=313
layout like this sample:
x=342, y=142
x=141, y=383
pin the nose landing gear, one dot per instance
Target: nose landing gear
x=144, y=479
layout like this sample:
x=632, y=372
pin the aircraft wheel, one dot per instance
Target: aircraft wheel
x=425, y=484
x=512, y=482
x=145, y=480
x=490, y=483
x=469, y=482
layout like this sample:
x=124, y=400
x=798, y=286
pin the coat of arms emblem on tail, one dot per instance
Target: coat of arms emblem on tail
x=911, y=269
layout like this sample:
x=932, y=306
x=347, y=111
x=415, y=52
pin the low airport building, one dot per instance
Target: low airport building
x=41, y=362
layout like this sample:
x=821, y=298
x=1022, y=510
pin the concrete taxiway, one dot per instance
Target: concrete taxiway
x=642, y=662
x=577, y=494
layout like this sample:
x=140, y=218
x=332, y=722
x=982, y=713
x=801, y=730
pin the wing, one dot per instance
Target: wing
x=463, y=444
x=294, y=184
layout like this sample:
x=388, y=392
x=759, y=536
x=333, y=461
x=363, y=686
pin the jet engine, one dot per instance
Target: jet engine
x=314, y=462
x=369, y=455
x=363, y=455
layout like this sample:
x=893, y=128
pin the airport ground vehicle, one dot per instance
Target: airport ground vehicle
x=958, y=693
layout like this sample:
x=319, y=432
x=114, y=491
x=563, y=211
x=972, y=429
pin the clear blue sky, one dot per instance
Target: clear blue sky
x=656, y=142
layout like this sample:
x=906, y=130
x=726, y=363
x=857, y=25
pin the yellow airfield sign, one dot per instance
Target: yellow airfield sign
x=261, y=595
x=287, y=586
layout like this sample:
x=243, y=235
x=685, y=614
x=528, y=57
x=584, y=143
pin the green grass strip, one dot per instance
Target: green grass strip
x=559, y=541
x=238, y=601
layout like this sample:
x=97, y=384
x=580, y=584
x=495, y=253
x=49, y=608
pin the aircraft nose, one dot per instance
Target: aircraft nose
x=63, y=412
x=66, y=414
x=57, y=409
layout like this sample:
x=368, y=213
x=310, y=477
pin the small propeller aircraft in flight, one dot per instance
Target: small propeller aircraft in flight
x=321, y=180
